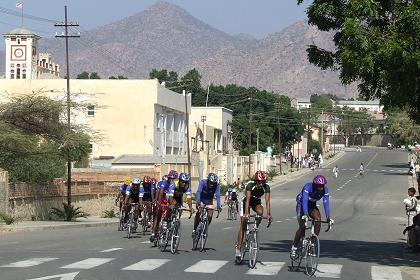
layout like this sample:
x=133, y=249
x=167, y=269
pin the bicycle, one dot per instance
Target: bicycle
x=121, y=224
x=132, y=223
x=145, y=220
x=174, y=229
x=309, y=249
x=250, y=241
x=200, y=235
x=232, y=213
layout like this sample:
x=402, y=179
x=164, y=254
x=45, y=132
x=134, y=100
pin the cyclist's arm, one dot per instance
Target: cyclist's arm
x=189, y=197
x=326, y=201
x=267, y=202
x=218, y=196
x=247, y=199
x=170, y=194
x=305, y=201
x=198, y=193
x=141, y=194
x=127, y=195
x=153, y=194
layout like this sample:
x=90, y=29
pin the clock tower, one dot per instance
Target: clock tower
x=21, y=54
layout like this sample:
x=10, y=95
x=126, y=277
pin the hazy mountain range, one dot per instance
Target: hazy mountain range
x=167, y=36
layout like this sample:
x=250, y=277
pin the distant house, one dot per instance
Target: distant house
x=370, y=106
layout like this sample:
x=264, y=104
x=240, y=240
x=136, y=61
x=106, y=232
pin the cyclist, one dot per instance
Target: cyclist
x=254, y=190
x=204, y=196
x=335, y=171
x=121, y=194
x=306, y=207
x=178, y=189
x=147, y=195
x=132, y=196
x=232, y=197
x=361, y=169
x=161, y=200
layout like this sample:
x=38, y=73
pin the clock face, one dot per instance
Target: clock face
x=18, y=53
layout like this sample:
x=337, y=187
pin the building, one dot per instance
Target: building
x=301, y=103
x=127, y=117
x=371, y=106
x=22, y=60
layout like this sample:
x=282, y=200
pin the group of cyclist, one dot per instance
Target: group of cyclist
x=157, y=198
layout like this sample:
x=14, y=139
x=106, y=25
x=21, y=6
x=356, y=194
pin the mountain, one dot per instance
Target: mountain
x=166, y=36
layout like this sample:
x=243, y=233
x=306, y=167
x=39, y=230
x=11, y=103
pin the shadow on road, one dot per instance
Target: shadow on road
x=382, y=253
x=399, y=165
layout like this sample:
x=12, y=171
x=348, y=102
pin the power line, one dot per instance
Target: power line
x=27, y=16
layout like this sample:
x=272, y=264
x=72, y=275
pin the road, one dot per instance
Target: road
x=365, y=243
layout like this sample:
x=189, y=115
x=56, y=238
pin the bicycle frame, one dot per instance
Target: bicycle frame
x=250, y=242
x=201, y=231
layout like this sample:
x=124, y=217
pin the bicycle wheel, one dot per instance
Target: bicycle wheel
x=130, y=225
x=235, y=213
x=203, y=237
x=312, y=255
x=229, y=216
x=144, y=222
x=296, y=261
x=163, y=238
x=175, y=236
x=121, y=223
x=253, y=249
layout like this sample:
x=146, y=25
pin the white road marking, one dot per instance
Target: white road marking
x=111, y=250
x=329, y=270
x=288, y=219
x=352, y=169
x=266, y=268
x=66, y=276
x=147, y=264
x=146, y=242
x=206, y=266
x=29, y=262
x=385, y=273
x=88, y=263
x=227, y=227
x=392, y=170
x=383, y=170
x=376, y=170
x=278, y=221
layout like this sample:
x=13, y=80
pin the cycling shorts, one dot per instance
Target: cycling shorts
x=299, y=209
x=252, y=205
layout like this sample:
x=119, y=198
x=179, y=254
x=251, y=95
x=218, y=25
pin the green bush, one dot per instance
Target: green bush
x=8, y=219
x=68, y=213
x=271, y=173
x=109, y=214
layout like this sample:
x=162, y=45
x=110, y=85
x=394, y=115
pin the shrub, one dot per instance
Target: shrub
x=8, y=219
x=109, y=214
x=68, y=213
x=271, y=173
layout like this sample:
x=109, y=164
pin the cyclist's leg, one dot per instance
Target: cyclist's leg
x=259, y=209
x=301, y=230
x=316, y=215
x=211, y=208
x=197, y=218
x=241, y=232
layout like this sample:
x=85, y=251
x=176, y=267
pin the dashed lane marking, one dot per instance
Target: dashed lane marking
x=206, y=266
x=29, y=262
x=111, y=250
x=88, y=263
x=227, y=227
x=385, y=273
x=266, y=268
x=329, y=270
x=147, y=264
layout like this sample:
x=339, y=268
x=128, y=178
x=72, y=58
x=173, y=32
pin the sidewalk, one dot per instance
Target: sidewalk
x=48, y=225
x=290, y=176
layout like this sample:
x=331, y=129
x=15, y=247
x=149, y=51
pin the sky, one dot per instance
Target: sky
x=255, y=17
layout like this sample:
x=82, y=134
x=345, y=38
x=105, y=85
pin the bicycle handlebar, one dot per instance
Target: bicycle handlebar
x=264, y=218
x=330, y=223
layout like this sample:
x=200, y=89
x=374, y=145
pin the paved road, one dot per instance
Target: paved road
x=366, y=242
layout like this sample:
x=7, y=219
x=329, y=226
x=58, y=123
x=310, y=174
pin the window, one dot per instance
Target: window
x=91, y=110
x=18, y=73
x=18, y=40
x=12, y=76
x=23, y=74
x=12, y=65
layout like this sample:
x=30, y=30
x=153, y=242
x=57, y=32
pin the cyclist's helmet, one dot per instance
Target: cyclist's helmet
x=136, y=181
x=127, y=181
x=173, y=174
x=319, y=180
x=260, y=176
x=164, y=177
x=212, y=178
x=184, y=177
x=147, y=180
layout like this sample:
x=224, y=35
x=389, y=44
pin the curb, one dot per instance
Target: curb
x=54, y=227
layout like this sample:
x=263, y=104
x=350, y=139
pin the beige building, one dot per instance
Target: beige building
x=127, y=117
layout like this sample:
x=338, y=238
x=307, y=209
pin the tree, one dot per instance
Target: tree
x=376, y=44
x=119, y=77
x=402, y=129
x=353, y=123
x=83, y=76
x=94, y=76
x=34, y=143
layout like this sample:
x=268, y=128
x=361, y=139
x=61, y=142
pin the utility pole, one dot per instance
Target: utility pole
x=322, y=132
x=308, y=115
x=66, y=35
x=279, y=138
x=188, y=133
x=258, y=139
x=250, y=133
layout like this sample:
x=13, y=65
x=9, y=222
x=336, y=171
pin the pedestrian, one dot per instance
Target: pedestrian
x=413, y=234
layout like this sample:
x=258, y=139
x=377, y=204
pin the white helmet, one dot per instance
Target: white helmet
x=408, y=203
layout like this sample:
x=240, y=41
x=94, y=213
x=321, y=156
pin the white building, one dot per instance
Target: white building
x=301, y=103
x=371, y=106
x=22, y=61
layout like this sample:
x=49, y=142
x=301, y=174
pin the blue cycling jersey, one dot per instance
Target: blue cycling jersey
x=165, y=186
x=206, y=193
x=310, y=194
x=132, y=192
x=123, y=188
x=146, y=189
